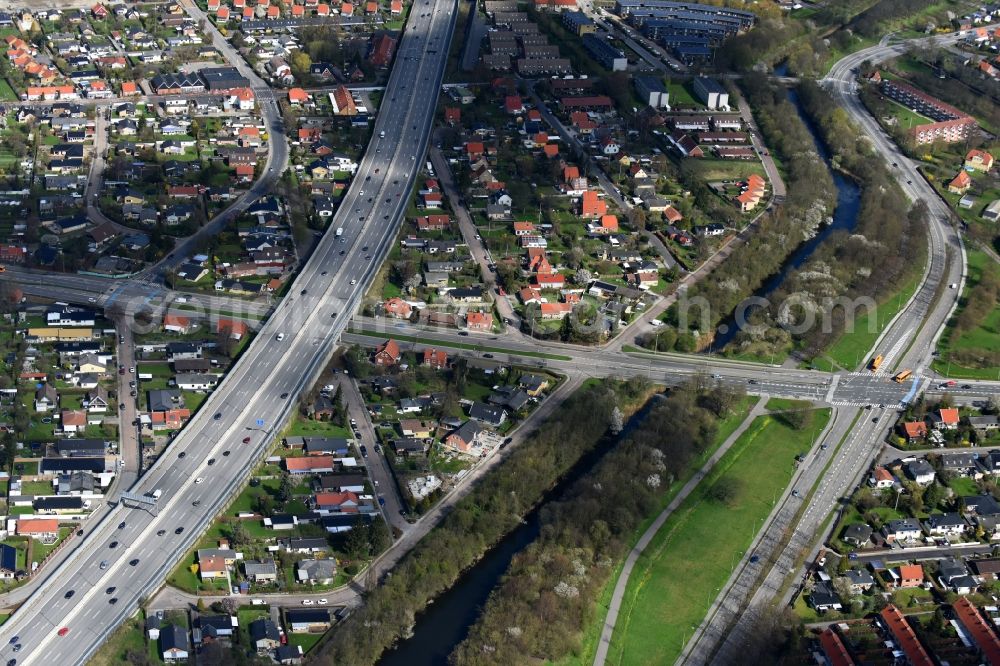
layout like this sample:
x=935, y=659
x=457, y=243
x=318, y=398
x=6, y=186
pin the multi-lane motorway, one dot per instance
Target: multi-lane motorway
x=263, y=387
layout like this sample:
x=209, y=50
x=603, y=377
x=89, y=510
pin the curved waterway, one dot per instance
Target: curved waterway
x=446, y=622
x=845, y=216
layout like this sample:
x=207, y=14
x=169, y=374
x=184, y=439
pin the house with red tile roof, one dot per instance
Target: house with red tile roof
x=961, y=183
x=346, y=9
x=397, y=308
x=979, y=160
x=396, y=7
x=555, y=310
x=945, y=419
x=896, y=624
x=387, y=353
x=914, y=430
x=177, y=324
x=591, y=205
x=382, y=50
x=297, y=95
x=236, y=329
x=479, y=321
x=43, y=529
x=528, y=295
x=436, y=358
x=73, y=420
x=550, y=281
x=550, y=150
x=309, y=464
x=433, y=222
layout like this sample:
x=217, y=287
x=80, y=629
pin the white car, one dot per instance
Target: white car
x=353, y=282
x=322, y=602
x=280, y=337
x=199, y=479
x=307, y=602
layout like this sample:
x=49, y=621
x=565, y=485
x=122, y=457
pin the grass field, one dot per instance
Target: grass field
x=128, y=638
x=7, y=93
x=783, y=404
x=592, y=631
x=985, y=336
x=690, y=559
x=851, y=348
x=904, y=117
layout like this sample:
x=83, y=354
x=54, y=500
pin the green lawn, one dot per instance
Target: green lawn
x=592, y=630
x=853, y=347
x=7, y=93
x=782, y=404
x=127, y=638
x=982, y=337
x=36, y=488
x=964, y=486
x=307, y=641
x=690, y=559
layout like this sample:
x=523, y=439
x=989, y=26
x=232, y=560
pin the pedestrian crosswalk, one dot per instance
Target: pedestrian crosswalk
x=865, y=403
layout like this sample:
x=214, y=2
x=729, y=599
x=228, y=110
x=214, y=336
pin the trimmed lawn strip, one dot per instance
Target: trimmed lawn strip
x=983, y=336
x=592, y=631
x=850, y=349
x=687, y=559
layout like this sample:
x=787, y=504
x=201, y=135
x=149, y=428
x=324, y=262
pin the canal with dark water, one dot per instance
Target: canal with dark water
x=445, y=623
x=845, y=216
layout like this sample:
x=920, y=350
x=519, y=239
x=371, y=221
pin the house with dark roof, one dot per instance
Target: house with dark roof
x=173, y=643
x=265, y=635
x=307, y=620
x=491, y=414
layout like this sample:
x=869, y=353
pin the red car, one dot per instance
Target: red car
x=63, y=631
x=246, y=440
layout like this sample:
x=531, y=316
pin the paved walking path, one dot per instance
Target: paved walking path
x=616, y=598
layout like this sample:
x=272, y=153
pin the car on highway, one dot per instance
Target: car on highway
x=246, y=440
x=179, y=530
x=225, y=453
x=160, y=532
x=113, y=600
x=966, y=386
x=69, y=594
x=302, y=293
x=199, y=479
x=795, y=493
x=121, y=525
x=196, y=503
x=218, y=415
x=110, y=590
x=211, y=461
x=14, y=639
x=353, y=282
x=134, y=562
x=63, y=631
x=113, y=544
x=283, y=396
x=754, y=559
x=181, y=454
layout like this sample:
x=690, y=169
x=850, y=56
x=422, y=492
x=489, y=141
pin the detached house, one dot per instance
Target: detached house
x=387, y=354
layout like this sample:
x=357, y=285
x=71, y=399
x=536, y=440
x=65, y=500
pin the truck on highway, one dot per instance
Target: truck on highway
x=877, y=361
x=902, y=376
x=340, y=231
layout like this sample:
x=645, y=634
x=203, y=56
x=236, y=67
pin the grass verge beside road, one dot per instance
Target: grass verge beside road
x=851, y=348
x=981, y=339
x=687, y=558
x=592, y=632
